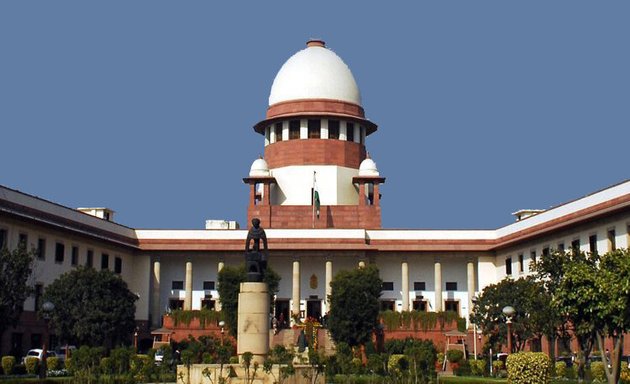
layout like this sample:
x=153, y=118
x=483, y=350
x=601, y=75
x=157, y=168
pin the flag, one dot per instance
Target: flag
x=315, y=195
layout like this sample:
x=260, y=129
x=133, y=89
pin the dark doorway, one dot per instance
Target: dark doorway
x=314, y=309
x=282, y=313
x=388, y=305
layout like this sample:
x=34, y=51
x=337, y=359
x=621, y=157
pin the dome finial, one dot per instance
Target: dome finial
x=313, y=42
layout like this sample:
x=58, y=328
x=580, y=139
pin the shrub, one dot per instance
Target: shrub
x=8, y=363
x=69, y=363
x=53, y=363
x=528, y=368
x=454, y=355
x=120, y=358
x=497, y=366
x=106, y=366
x=571, y=373
x=477, y=367
x=32, y=365
x=561, y=369
x=598, y=371
x=624, y=377
x=462, y=369
x=142, y=367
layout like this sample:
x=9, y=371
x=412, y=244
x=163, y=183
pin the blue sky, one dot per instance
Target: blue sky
x=147, y=107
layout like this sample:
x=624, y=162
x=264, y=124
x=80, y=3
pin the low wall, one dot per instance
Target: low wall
x=236, y=374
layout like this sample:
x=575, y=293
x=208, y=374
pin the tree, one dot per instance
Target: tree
x=533, y=312
x=230, y=279
x=354, y=305
x=564, y=274
x=15, y=269
x=91, y=308
x=594, y=294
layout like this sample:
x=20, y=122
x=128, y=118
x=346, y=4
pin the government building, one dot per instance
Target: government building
x=317, y=194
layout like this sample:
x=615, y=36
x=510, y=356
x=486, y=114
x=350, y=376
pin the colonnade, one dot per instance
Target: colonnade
x=296, y=296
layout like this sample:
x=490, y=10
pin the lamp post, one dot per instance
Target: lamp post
x=222, y=324
x=135, y=340
x=509, y=311
x=46, y=312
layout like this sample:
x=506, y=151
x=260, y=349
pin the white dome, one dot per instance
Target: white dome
x=368, y=168
x=259, y=168
x=314, y=73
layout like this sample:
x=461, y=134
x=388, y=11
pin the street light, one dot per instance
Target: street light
x=222, y=324
x=135, y=340
x=509, y=312
x=46, y=312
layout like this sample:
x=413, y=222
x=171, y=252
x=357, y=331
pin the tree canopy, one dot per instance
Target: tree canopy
x=592, y=292
x=91, y=307
x=230, y=279
x=533, y=318
x=15, y=269
x=354, y=305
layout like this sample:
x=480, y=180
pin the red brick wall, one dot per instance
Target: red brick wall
x=314, y=152
x=331, y=216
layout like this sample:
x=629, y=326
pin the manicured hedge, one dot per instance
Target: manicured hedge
x=32, y=365
x=528, y=368
x=8, y=363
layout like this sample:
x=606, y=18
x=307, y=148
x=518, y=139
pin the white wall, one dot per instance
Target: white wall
x=334, y=184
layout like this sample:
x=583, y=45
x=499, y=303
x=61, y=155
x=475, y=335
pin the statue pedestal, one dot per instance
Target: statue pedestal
x=253, y=321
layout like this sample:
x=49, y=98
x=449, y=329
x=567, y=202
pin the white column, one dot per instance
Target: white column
x=438, y=286
x=303, y=129
x=343, y=135
x=295, y=297
x=285, y=130
x=272, y=134
x=324, y=130
x=156, y=311
x=188, y=286
x=405, y=285
x=268, y=133
x=470, y=269
x=329, y=276
x=220, y=266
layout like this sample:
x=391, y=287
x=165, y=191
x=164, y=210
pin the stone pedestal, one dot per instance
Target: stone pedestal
x=253, y=321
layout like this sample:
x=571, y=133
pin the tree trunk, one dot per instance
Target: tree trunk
x=551, y=340
x=612, y=373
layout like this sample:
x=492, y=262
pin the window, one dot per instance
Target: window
x=22, y=240
x=74, y=260
x=545, y=251
x=419, y=305
x=174, y=304
x=362, y=135
x=350, y=132
x=314, y=129
x=41, y=249
x=177, y=284
x=612, y=244
x=208, y=303
x=3, y=238
x=592, y=244
x=508, y=266
x=333, y=129
x=278, y=130
x=388, y=286
x=521, y=264
x=89, y=258
x=294, y=129
x=106, y=215
x=451, y=286
x=39, y=290
x=575, y=245
x=118, y=265
x=388, y=305
x=104, y=261
x=419, y=286
x=60, y=249
x=532, y=256
x=451, y=306
x=560, y=247
x=208, y=285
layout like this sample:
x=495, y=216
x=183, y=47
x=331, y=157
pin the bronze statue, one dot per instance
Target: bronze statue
x=255, y=260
